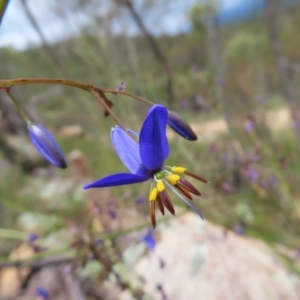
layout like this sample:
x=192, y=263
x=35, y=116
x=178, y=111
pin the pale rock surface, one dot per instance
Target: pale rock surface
x=207, y=262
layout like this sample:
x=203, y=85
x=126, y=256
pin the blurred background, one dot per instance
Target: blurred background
x=231, y=68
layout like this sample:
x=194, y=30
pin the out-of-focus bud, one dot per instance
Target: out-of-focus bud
x=122, y=86
x=45, y=143
x=180, y=126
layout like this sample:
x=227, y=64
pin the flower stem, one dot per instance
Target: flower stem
x=19, y=108
x=97, y=94
x=129, y=95
x=8, y=83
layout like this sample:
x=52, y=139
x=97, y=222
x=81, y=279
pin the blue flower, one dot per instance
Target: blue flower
x=42, y=293
x=149, y=239
x=145, y=160
x=47, y=146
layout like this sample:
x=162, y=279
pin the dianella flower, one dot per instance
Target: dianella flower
x=145, y=161
x=46, y=144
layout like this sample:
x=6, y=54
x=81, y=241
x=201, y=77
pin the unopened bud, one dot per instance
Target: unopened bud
x=180, y=126
x=47, y=146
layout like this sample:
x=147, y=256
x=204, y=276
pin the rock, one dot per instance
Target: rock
x=205, y=261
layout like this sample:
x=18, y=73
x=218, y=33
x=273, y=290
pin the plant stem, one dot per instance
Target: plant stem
x=97, y=94
x=129, y=95
x=8, y=83
x=19, y=108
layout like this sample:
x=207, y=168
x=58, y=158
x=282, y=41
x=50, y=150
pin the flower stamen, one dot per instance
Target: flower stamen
x=165, y=199
x=183, y=191
x=179, y=170
x=152, y=213
x=160, y=186
x=188, y=186
x=153, y=195
x=188, y=173
x=173, y=178
x=160, y=204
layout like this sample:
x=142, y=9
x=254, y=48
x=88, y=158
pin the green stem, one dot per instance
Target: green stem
x=3, y=6
x=19, y=108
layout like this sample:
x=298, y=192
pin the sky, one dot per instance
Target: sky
x=16, y=30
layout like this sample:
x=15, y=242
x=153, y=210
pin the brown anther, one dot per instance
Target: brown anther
x=160, y=204
x=183, y=191
x=152, y=213
x=188, y=173
x=165, y=199
x=188, y=186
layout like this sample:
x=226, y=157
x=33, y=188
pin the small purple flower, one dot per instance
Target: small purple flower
x=221, y=81
x=254, y=158
x=199, y=100
x=259, y=98
x=272, y=180
x=32, y=237
x=45, y=143
x=149, y=239
x=297, y=254
x=224, y=156
x=42, y=293
x=251, y=175
x=145, y=161
x=249, y=126
x=295, y=124
x=122, y=86
x=112, y=212
x=180, y=126
x=67, y=270
x=185, y=103
x=239, y=229
x=140, y=199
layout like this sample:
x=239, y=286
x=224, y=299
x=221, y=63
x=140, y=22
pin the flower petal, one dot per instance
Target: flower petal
x=128, y=150
x=154, y=146
x=116, y=179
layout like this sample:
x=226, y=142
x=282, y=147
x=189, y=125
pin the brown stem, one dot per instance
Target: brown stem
x=97, y=94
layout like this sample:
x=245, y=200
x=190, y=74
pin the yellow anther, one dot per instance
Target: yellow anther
x=178, y=169
x=173, y=178
x=153, y=195
x=160, y=186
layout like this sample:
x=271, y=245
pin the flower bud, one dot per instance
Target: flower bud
x=45, y=143
x=180, y=126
